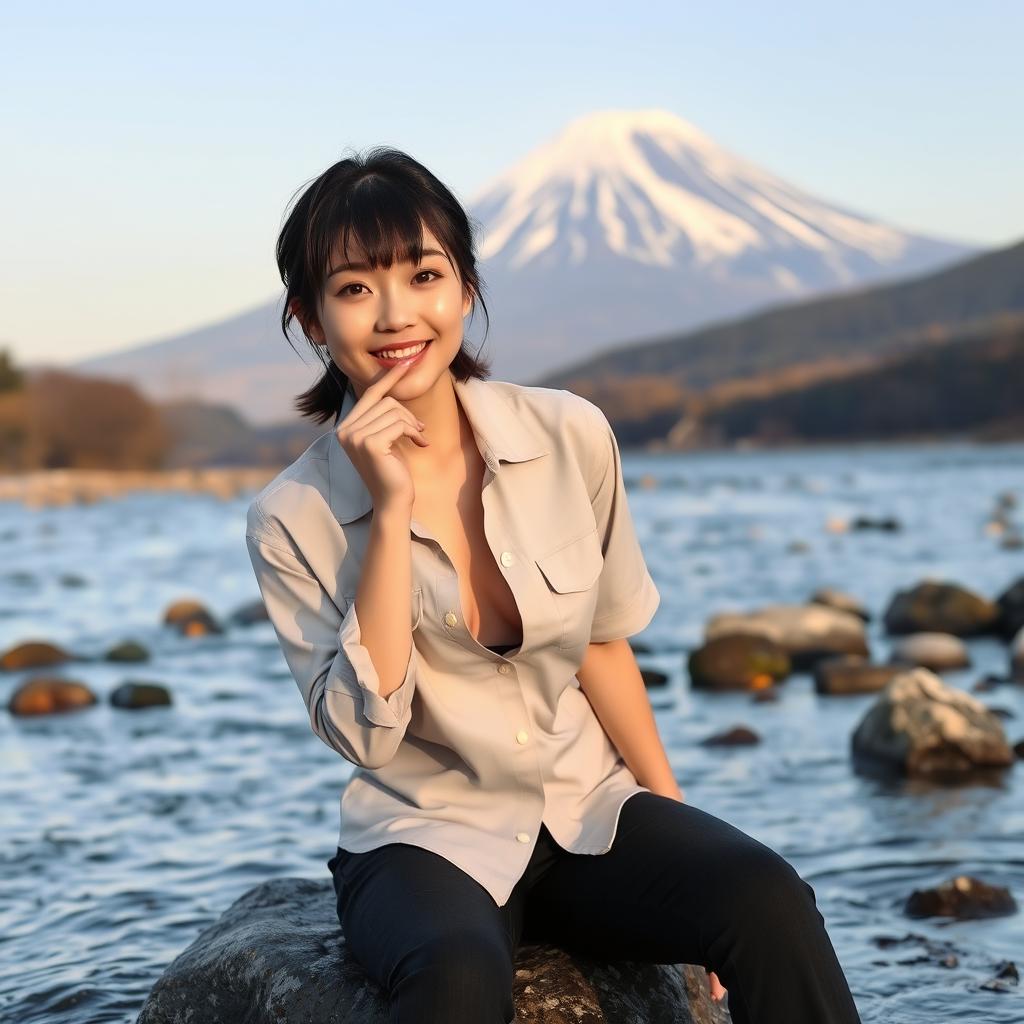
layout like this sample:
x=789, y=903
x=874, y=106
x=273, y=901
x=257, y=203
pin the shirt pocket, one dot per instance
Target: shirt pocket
x=571, y=571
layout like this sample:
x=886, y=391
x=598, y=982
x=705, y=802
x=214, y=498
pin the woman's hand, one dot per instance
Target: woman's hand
x=367, y=433
x=718, y=990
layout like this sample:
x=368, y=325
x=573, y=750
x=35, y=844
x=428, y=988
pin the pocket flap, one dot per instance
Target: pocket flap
x=574, y=566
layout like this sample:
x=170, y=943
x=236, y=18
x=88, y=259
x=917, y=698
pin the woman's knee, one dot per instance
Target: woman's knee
x=763, y=889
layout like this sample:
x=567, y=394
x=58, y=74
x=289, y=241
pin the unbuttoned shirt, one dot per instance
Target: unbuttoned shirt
x=474, y=750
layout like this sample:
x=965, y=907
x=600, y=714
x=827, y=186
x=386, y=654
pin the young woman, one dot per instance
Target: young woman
x=452, y=573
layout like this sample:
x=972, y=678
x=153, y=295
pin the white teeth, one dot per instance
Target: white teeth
x=398, y=353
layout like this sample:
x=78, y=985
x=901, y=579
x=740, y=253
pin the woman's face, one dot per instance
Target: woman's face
x=365, y=311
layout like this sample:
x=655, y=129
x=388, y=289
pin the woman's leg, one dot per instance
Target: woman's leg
x=428, y=933
x=682, y=886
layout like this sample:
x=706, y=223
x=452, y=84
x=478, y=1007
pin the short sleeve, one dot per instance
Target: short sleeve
x=627, y=597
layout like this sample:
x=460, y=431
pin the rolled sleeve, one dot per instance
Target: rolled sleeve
x=627, y=596
x=393, y=710
x=321, y=646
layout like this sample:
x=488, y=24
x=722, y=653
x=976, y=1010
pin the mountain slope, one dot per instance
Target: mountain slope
x=627, y=225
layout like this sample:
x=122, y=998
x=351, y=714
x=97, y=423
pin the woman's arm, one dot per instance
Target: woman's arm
x=610, y=679
x=357, y=711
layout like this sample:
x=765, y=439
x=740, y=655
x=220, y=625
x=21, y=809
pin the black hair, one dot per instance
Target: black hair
x=383, y=198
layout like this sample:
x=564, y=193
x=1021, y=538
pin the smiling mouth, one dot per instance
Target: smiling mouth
x=399, y=351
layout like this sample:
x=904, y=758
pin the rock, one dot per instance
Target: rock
x=737, y=736
x=1017, y=657
x=737, y=662
x=936, y=607
x=807, y=632
x=919, y=726
x=844, y=602
x=191, y=618
x=127, y=651
x=1011, y=605
x=249, y=614
x=277, y=955
x=131, y=695
x=46, y=695
x=964, y=898
x=887, y=523
x=846, y=674
x=33, y=654
x=653, y=679
x=936, y=651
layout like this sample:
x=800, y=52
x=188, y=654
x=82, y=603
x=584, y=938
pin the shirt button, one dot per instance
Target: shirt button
x=522, y=736
x=523, y=837
x=451, y=619
x=504, y=669
x=507, y=558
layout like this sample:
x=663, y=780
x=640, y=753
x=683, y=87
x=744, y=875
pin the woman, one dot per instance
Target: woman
x=452, y=573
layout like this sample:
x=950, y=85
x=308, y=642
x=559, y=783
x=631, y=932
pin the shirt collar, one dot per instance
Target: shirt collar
x=501, y=436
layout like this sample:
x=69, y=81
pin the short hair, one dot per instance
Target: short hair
x=383, y=199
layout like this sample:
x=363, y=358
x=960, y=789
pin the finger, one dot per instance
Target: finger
x=380, y=441
x=377, y=389
x=377, y=415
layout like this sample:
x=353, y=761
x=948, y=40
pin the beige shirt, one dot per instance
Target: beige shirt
x=473, y=750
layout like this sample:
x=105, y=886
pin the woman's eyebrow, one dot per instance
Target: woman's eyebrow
x=365, y=266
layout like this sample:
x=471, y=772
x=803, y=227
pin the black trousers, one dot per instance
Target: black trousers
x=678, y=886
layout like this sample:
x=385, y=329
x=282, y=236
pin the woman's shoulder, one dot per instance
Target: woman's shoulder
x=574, y=425
x=297, y=492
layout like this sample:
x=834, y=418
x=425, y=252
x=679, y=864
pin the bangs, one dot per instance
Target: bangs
x=382, y=219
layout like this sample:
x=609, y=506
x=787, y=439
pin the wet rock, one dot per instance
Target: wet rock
x=844, y=602
x=919, y=726
x=33, y=654
x=190, y=618
x=278, y=956
x=737, y=736
x=937, y=651
x=1011, y=609
x=887, y=523
x=1017, y=657
x=737, y=662
x=964, y=897
x=131, y=695
x=249, y=614
x=846, y=674
x=807, y=632
x=47, y=695
x=129, y=651
x=938, y=607
x=653, y=679
x=1006, y=979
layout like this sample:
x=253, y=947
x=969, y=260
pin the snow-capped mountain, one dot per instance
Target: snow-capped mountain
x=627, y=225
x=631, y=224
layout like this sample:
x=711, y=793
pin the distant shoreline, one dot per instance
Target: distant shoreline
x=47, y=487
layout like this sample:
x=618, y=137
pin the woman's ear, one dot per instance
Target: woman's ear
x=310, y=327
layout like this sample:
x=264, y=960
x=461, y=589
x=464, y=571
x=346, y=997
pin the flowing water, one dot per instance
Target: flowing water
x=125, y=833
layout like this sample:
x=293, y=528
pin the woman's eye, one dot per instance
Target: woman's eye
x=356, y=284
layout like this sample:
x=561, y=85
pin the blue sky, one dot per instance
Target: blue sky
x=151, y=153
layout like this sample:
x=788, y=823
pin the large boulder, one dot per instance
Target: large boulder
x=919, y=726
x=278, y=955
x=806, y=632
x=940, y=607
